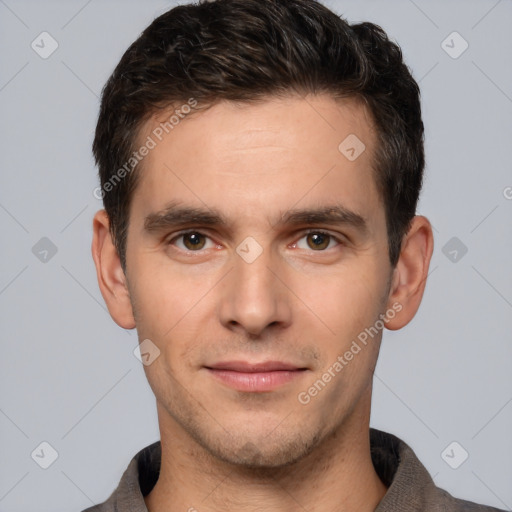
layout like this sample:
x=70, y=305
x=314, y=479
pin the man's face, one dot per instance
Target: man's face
x=264, y=285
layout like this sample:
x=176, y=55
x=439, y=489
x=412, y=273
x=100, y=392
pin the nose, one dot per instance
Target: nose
x=254, y=295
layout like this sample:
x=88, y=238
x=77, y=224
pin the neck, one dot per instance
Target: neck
x=338, y=476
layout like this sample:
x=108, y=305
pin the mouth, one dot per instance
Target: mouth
x=255, y=377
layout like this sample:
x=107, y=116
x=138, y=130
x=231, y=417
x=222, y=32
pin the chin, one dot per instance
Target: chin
x=263, y=454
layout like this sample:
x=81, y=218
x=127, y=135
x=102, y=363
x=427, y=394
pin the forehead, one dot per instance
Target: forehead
x=261, y=157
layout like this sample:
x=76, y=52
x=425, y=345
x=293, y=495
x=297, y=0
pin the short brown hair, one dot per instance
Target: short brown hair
x=245, y=50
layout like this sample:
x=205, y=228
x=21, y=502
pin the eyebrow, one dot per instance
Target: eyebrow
x=174, y=215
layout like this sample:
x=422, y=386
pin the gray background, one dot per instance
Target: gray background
x=68, y=373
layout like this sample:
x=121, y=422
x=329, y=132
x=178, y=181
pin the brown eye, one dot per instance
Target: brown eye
x=318, y=241
x=192, y=241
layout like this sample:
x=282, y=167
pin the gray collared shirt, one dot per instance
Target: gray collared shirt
x=410, y=487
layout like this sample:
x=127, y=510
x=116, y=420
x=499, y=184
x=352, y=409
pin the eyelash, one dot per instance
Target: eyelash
x=304, y=234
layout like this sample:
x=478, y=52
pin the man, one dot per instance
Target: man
x=260, y=165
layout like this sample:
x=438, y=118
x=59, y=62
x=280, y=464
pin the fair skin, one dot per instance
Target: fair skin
x=302, y=301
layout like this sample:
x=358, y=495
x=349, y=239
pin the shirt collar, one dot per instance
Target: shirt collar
x=409, y=484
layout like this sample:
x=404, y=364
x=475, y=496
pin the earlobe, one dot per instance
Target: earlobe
x=410, y=275
x=110, y=274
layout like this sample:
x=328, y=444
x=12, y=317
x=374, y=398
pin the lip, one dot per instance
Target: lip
x=246, y=367
x=255, y=377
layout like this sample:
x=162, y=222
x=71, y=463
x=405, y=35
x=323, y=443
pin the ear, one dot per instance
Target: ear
x=111, y=277
x=410, y=273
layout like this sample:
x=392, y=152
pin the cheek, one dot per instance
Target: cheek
x=342, y=302
x=171, y=309
x=166, y=294
x=347, y=304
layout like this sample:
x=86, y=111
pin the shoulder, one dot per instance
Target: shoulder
x=410, y=486
x=99, y=508
x=440, y=500
x=136, y=482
